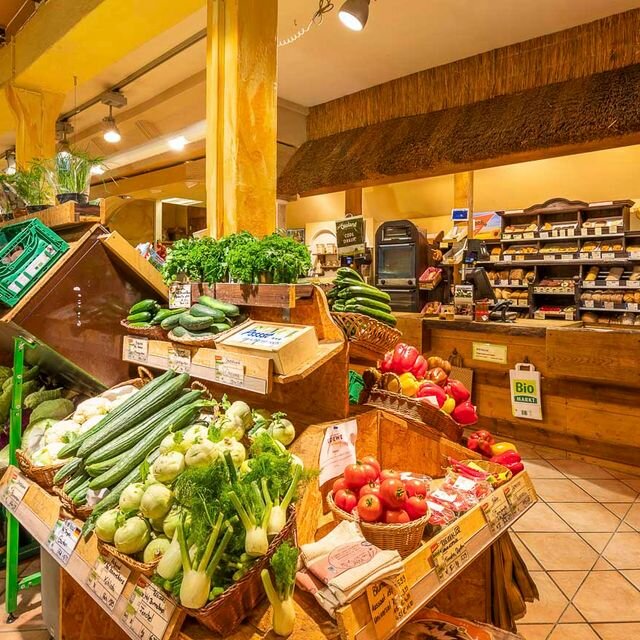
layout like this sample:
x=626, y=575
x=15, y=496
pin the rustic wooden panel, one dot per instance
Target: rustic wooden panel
x=537, y=123
x=590, y=48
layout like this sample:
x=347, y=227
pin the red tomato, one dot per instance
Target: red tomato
x=338, y=484
x=386, y=474
x=415, y=487
x=345, y=500
x=396, y=516
x=370, y=471
x=372, y=461
x=355, y=476
x=416, y=507
x=370, y=489
x=393, y=493
x=370, y=508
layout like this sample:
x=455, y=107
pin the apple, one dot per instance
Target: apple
x=449, y=405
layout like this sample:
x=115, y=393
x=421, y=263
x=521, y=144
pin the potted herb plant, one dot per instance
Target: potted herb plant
x=33, y=187
x=71, y=176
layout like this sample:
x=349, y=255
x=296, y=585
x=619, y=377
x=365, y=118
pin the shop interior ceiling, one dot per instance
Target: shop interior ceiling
x=401, y=37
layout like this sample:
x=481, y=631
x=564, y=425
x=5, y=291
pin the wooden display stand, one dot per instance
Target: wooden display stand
x=63, y=217
x=397, y=443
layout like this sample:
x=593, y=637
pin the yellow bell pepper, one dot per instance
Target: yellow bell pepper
x=409, y=384
x=498, y=448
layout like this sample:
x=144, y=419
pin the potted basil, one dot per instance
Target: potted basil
x=71, y=175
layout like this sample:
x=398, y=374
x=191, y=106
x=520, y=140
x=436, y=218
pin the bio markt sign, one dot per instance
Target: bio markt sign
x=350, y=235
x=526, y=398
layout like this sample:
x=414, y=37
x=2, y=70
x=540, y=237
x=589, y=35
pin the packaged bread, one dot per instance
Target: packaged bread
x=516, y=274
x=492, y=276
x=636, y=296
x=498, y=294
x=616, y=246
x=597, y=296
x=627, y=318
x=590, y=245
x=636, y=322
x=635, y=274
x=629, y=297
x=496, y=251
x=506, y=294
x=503, y=275
x=615, y=273
x=586, y=296
x=530, y=276
x=592, y=274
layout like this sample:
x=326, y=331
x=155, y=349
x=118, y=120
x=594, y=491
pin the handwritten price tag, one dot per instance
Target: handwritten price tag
x=588, y=303
x=519, y=493
x=179, y=359
x=137, y=349
x=107, y=580
x=389, y=603
x=497, y=511
x=179, y=295
x=449, y=553
x=148, y=611
x=227, y=370
x=14, y=491
x=63, y=540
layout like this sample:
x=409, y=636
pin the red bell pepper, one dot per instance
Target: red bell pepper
x=385, y=363
x=404, y=357
x=511, y=460
x=480, y=441
x=420, y=367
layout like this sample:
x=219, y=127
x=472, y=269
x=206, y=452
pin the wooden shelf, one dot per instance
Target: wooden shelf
x=280, y=296
x=63, y=216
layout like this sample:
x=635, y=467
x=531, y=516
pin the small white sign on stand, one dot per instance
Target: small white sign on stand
x=526, y=396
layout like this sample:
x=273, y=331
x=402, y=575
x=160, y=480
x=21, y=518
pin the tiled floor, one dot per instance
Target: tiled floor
x=582, y=544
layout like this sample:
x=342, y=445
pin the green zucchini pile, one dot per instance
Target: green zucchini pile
x=207, y=317
x=351, y=294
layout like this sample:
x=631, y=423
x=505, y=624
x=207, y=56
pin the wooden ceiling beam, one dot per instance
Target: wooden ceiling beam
x=585, y=114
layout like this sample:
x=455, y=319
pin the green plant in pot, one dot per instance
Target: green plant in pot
x=33, y=187
x=71, y=175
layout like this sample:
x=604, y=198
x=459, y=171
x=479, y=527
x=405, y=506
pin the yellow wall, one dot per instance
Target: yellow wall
x=134, y=221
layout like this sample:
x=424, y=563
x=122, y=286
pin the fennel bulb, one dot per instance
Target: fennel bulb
x=283, y=564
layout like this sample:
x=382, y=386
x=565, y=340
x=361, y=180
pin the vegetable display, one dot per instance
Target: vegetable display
x=283, y=565
x=351, y=294
x=206, y=317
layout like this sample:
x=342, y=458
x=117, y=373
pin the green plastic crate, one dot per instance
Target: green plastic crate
x=41, y=249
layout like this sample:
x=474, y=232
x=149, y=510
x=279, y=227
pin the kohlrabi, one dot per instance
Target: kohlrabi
x=242, y=411
x=155, y=549
x=156, y=501
x=107, y=524
x=168, y=466
x=231, y=426
x=235, y=448
x=201, y=454
x=131, y=496
x=283, y=564
x=282, y=429
x=133, y=536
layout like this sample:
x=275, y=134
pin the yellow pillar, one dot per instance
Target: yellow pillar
x=36, y=113
x=241, y=116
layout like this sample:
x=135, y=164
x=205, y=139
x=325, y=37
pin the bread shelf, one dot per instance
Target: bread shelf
x=620, y=307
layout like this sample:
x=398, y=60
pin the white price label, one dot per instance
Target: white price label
x=137, y=349
x=179, y=359
x=588, y=303
x=63, y=540
x=549, y=258
x=14, y=491
x=598, y=231
x=497, y=511
x=566, y=256
x=568, y=315
x=571, y=232
x=634, y=255
x=107, y=580
x=633, y=284
x=612, y=283
x=596, y=255
x=528, y=236
x=228, y=370
x=608, y=305
x=179, y=295
x=148, y=611
x=539, y=315
x=632, y=306
x=520, y=257
x=494, y=258
x=464, y=484
x=519, y=493
x=562, y=233
x=504, y=283
x=544, y=234
x=608, y=256
x=508, y=258
x=584, y=255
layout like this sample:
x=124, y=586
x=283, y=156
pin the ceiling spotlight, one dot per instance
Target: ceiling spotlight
x=97, y=170
x=110, y=130
x=11, y=162
x=354, y=14
x=178, y=143
x=63, y=128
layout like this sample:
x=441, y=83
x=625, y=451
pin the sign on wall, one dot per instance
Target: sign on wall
x=526, y=398
x=350, y=236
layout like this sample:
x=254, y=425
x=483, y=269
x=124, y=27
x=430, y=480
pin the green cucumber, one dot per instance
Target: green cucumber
x=181, y=332
x=368, y=292
x=376, y=314
x=192, y=323
x=203, y=311
x=142, y=316
x=172, y=321
x=347, y=272
x=148, y=305
x=368, y=302
x=219, y=327
x=343, y=283
x=338, y=306
x=141, y=325
x=163, y=314
x=227, y=308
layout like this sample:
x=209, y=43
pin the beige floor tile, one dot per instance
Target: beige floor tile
x=597, y=540
x=560, y=551
x=608, y=490
x=602, y=565
x=534, y=631
x=634, y=483
x=573, y=632
x=540, y=517
x=623, y=552
x=526, y=450
x=525, y=554
x=561, y=490
x=633, y=576
x=620, y=509
x=586, y=516
x=542, y=469
x=571, y=614
x=624, y=527
x=620, y=631
x=579, y=469
x=568, y=581
x=551, y=604
x=550, y=454
x=632, y=516
x=606, y=596
x=621, y=475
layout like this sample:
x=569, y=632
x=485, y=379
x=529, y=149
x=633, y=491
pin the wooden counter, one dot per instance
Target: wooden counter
x=590, y=380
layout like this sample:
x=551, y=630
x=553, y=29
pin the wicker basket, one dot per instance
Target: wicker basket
x=404, y=538
x=225, y=613
x=155, y=332
x=81, y=512
x=145, y=568
x=416, y=410
x=194, y=341
x=492, y=468
x=366, y=336
x=42, y=476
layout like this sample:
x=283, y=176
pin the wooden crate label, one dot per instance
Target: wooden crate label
x=148, y=611
x=107, y=580
x=449, y=552
x=179, y=359
x=180, y=295
x=228, y=370
x=497, y=511
x=14, y=490
x=389, y=602
x=63, y=539
x=136, y=349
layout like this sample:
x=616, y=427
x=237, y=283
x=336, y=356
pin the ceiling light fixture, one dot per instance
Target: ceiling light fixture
x=112, y=99
x=354, y=14
x=178, y=143
x=63, y=128
x=97, y=170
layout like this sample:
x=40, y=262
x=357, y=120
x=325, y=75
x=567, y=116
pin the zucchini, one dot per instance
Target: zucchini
x=79, y=496
x=142, y=316
x=192, y=323
x=376, y=314
x=176, y=422
x=338, y=306
x=343, y=283
x=203, y=311
x=368, y=302
x=226, y=307
x=148, y=305
x=172, y=321
x=69, y=469
x=142, y=410
x=181, y=332
x=368, y=292
x=141, y=325
x=163, y=314
x=70, y=449
x=219, y=327
x=125, y=441
x=348, y=272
